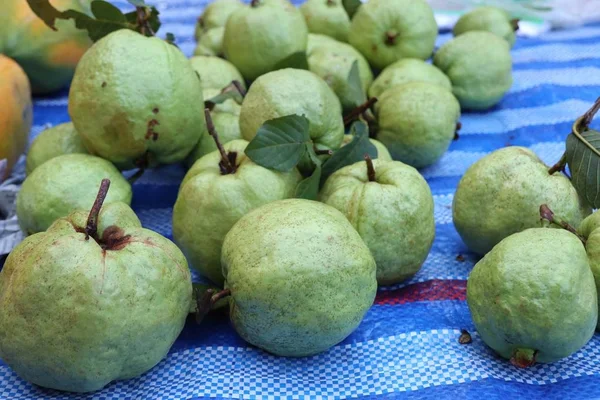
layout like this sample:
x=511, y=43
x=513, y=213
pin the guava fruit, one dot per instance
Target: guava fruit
x=294, y=91
x=590, y=232
x=332, y=61
x=48, y=57
x=416, y=122
x=53, y=142
x=89, y=302
x=501, y=194
x=408, y=70
x=533, y=297
x=215, y=73
x=16, y=115
x=211, y=43
x=479, y=66
x=488, y=18
x=215, y=15
x=382, y=152
x=300, y=276
x=136, y=101
x=64, y=184
x=378, y=197
x=327, y=17
x=259, y=37
x=212, y=197
x=385, y=31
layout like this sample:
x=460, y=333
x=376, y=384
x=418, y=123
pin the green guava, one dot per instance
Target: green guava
x=589, y=230
x=378, y=197
x=417, y=122
x=479, y=66
x=210, y=202
x=53, y=142
x=259, y=37
x=533, y=297
x=488, y=18
x=300, y=276
x=327, y=17
x=385, y=31
x=215, y=73
x=137, y=101
x=382, y=152
x=501, y=194
x=215, y=15
x=211, y=43
x=64, y=184
x=332, y=61
x=408, y=70
x=80, y=309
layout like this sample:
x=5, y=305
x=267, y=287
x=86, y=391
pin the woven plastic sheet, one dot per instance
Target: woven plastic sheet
x=407, y=346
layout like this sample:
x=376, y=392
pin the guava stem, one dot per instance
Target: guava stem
x=330, y=2
x=523, y=358
x=255, y=3
x=515, y=24
x=142, y=20
x=207, y=301
x=323, y=152
x=390, y=37
x=239, y=87
x=587, y=118
x=355, y=113
x=91, y=227
x=547, y=214
x=456, y=130
x=465, y=337
x=370, y=168
x=226, y=166
x=559, y=166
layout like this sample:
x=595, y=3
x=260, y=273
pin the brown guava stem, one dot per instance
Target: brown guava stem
x=370, y=168
x=91, y=228
x=456, y=130
x=523, y=358
x=331, y=2
x=219, y=295
x=239, y=87
x=208, y=299
x=559, y=166
x=390, y=37
x=587, y=118
x=323, y=152
x=515, y=23
x=226, y=166
x=355, y=113
x=142, y=20
x=255, y=3
x=465, y=337
x=133, y=178
x=547, y=214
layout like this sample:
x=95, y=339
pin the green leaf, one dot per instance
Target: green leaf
x=583, y=158
x=45, y=11
x=351, y=6
x=308, y=188
x=223, y=97
x=352, y=152
x=357, y=95
x=170, y=38
x=105, y=11
x=279, y=143
x=200, y=288
x=137, y=3
x=296, y=60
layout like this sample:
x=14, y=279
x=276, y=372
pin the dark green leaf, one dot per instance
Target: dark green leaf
x=200, y=288
x=583, y=158
x=137, y=3
x=153, y=20
x=352, y=152
x=104, y=11
x=280, y=143
x=308, y=188
x=97, y=28
x=45, y=11
x=357, y=95
x=351, y=6
x=296, y=60
x=223, y=97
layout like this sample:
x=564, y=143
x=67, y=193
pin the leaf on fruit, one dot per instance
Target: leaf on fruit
x=280, y=143
x=351, y=6
x=137, y=3
x=352, y=152
x=357, y=95
x=45, y=11
x=308, y=188
x=297, y=60
x=199, y=289
x=171, y=39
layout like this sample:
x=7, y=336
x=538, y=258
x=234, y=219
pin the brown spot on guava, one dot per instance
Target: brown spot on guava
x=150, y=133
x=103, y=84
x=155, y=110
x=114, y=238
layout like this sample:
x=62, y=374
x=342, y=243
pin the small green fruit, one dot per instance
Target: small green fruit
x=215, y=15
x=64, y=184
x=408, y=70
x=327, y=17
x=501, y=194
x=417, y=122
x=533, y=297
x=300, y=276
x=385, y=31
x=53, y=142
x=211, y=43
x=378, y=197
x=259, y=37
x=491, y=19
x=215, y=73
x=211, y=201
x=382, y=152
x=479, y=66
x=82, y=307
x=332, y=61
x=136, y=101
x=589, y=230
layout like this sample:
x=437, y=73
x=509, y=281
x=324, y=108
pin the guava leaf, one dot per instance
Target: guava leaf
x=45, y=11
x=308, y=188
x=352, y=152
x=280, y=143
x=351, y=6
x=357, y=95
x=297, y=60
x=170, y=38
x=200, y=288
x=137, y=3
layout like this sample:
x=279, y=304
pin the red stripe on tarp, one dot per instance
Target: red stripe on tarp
x=433, y=290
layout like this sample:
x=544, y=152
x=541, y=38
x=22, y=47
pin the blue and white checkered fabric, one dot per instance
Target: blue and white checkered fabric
x=407, y=345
